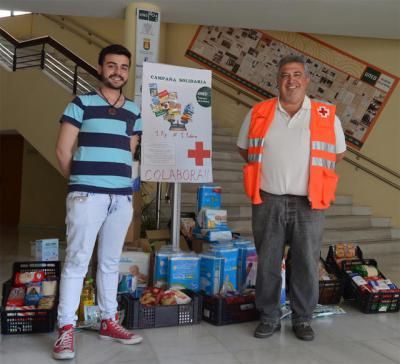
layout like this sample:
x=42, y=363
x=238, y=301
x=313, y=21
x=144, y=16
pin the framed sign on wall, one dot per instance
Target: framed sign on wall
x=250, y=57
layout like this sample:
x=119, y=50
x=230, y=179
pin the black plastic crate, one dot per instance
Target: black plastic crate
x=330, y=291
x=371, y=302
x=29, y=321
x=336, y=267
x=219, y=310
x=138, y=316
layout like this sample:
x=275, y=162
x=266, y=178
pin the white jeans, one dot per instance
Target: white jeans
x=89, y=215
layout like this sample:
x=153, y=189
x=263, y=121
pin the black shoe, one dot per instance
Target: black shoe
x=266, y=329
x=303, y=331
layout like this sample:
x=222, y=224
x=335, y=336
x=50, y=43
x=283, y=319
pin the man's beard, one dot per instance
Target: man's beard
x=108, y=83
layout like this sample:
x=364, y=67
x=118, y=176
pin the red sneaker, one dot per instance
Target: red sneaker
x=64, y=345
x=112, y=330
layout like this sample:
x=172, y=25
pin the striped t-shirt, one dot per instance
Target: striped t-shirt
x=102, y=161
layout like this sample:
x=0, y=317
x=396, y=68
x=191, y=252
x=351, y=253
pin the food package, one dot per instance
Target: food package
x=151, y=296
x=230, y=255
x=184, y=272
x=49, y=288
x=28, y=277
x=212, y=218
x=211, y=273
x=46, y=303
x=16, y=297
x=33, y=293
x=345, y=251
x=208, y=196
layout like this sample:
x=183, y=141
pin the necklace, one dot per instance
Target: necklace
x=112, y=109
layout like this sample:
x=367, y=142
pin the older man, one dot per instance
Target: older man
x=291, y=145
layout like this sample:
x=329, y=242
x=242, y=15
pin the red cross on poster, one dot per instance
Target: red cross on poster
x=176, y=116
x=199, y=154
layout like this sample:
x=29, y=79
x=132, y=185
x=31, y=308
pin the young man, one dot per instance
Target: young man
x=291, y=145
x=106, y=126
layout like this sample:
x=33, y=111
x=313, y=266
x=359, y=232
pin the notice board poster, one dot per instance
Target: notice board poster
x=177, y=127
x=147, y=41
x=250, y=57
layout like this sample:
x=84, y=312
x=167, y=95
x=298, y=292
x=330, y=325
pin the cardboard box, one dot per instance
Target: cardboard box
x=137, y=264
x=157, y=238
x=46, y=249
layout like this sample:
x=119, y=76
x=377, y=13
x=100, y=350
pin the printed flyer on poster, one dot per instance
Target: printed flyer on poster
x=147, y=40
x=177, y=127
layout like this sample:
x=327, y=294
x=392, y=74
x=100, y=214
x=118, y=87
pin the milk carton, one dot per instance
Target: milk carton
x=46, y=249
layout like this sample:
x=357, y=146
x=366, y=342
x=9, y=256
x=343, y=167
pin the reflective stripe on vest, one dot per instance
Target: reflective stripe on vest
x=326, y=147
x=254, y=157
x=321, y=162
x=256, y=142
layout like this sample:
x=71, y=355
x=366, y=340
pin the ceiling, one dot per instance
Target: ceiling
x=364, y=18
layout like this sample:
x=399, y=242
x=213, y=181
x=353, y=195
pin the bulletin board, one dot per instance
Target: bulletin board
x=250, y=57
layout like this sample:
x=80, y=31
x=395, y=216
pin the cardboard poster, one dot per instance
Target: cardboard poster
x=147, y=41
x=177, y=128
x=250, y=58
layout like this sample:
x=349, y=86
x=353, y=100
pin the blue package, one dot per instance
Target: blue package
x=161, y=269
x=184, y=272
x=208, y=196
x=247, y=267
x=230, y=256
x=211, y=273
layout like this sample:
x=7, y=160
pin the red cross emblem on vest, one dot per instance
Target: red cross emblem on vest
x=324, y=112
x=199, y=153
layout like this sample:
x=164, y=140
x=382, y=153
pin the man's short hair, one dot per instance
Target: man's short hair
x=293, y=58
x=114, y=49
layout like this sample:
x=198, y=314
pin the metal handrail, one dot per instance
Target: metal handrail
x=377, y=164
x=367, y=170
x=63, y=23
x=53, y=62
x=46, y=40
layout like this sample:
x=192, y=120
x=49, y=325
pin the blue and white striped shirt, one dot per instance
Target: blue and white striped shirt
x=102, y=161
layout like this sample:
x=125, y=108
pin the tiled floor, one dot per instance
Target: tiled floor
x=351, y=338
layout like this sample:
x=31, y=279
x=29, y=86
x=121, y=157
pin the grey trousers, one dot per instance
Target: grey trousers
x=281, y=220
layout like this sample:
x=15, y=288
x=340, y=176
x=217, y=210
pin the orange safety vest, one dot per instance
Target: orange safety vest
x=323, y=179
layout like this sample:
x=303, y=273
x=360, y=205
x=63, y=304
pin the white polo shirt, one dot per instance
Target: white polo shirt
x=286, y=156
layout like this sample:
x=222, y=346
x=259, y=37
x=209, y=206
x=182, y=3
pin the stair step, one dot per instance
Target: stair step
x=228, y=165
x=356, y=235
x=222, y=131
x=229, y=156
x=372, y=247
x=224, y=147
x=332, y=236
x=244, y=210
x=217, y=139
x=232, y=176
x=331, y=222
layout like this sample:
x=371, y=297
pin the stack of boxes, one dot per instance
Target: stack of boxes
x=212, y=221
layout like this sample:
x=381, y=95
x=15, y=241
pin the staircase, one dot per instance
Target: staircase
x=344, y=221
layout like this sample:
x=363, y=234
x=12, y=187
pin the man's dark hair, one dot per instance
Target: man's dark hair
x=114, y=49
x=293, y=58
